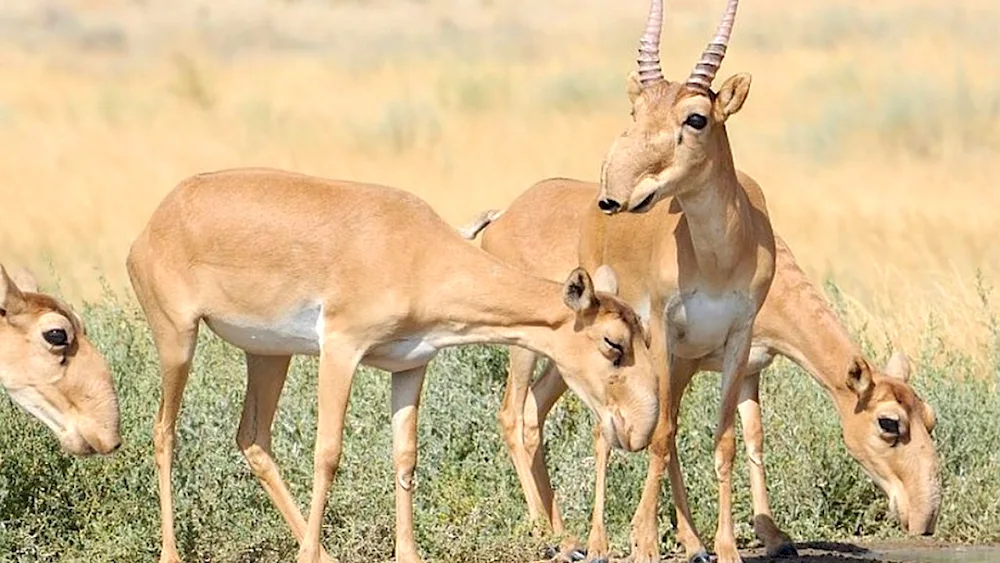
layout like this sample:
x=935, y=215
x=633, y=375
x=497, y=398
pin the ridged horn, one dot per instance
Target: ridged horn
x=704, y=72
x=649, y=46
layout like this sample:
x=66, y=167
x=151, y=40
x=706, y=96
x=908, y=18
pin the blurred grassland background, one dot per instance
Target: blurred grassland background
x=874, y=128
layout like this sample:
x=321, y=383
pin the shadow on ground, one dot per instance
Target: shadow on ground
x=905, y=551
x=821, y=552
x=908, y=550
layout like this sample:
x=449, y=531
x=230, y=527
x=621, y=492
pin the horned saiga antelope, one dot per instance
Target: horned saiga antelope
x=703, y=296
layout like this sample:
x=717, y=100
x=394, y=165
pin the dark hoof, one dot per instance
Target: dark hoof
x=783, y=551
x=553, y=553
x=700, y=557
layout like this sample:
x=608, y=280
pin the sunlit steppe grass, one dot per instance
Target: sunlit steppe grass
x=468, y=505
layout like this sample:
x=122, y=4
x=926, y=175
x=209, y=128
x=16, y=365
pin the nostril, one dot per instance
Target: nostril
x=608, y=204
x=115, y=447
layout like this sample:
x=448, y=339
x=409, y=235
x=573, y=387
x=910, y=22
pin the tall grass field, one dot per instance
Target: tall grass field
x=873, y=128
x=469, y=506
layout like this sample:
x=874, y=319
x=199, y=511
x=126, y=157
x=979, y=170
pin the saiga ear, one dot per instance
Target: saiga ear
x=929, y=417
x=859, y=377
x=632, y=86
x=606, y=280
x=731, y=96
x=898, y=367
x=578, y=291
x=11, y=298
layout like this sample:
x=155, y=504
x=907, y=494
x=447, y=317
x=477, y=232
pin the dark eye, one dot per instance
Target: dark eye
x=889, y=425
x=696, y=121
x=619, y=350
x=56, y=337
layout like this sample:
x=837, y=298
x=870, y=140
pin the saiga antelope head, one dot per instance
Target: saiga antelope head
x=52, y=370
x=677, y=142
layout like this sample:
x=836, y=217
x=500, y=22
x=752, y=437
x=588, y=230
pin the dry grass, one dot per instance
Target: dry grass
x=873, y=127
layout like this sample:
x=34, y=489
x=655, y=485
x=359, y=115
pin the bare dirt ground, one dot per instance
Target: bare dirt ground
x=905, y=551
x=879, y=552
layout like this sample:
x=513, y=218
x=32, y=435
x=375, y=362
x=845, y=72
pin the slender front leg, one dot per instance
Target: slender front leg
x=175, y=347
x=662, y=452
x=406, y=387
x=681, y=372
x=776, y=542
x=734, y=363
x=597, y=542
x=265, y=380
x=336, y=372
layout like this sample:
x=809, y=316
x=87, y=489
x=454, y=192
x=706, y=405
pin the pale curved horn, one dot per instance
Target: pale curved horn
x=649, y=46
x=704, y=72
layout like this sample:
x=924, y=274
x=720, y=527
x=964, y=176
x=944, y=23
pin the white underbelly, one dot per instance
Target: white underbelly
x=301, y=332
x=401, y=355
x=295, y=333
x=699, y=324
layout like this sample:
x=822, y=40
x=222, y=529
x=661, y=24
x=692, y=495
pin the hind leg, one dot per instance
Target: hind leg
x=406, y=388
x=265, y=380
x=776, y=542
x=543, y=395
x=338, y=360
x=521, y=414
x=521, y=366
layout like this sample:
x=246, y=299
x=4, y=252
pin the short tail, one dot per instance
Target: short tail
x=470, y=230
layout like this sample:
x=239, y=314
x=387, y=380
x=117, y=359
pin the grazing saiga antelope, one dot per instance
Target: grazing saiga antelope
x=279, y=263
x=51, y=369
x=886, y=426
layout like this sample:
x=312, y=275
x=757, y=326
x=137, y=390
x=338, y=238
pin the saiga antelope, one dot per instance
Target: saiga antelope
x=886, y=426
x=50, y=368
x=704, y=289
x=279, y=263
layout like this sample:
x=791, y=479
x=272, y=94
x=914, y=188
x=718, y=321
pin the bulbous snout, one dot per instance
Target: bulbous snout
x=632, y=430
x=630, y=177
x=916, y=520
x=101, y=428
x=93, y=412
x=920, y=522
x=923, y=526
x=86, y=437
x=106, y=443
